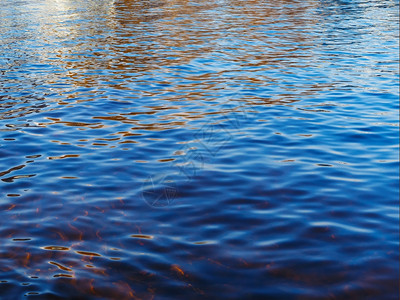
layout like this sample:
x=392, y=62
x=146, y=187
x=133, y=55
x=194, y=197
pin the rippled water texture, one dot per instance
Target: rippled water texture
x=204, y=149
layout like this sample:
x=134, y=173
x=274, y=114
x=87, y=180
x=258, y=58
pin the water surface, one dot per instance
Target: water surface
x=204, y=149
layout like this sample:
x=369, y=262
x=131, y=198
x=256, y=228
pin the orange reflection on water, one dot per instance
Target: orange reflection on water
x=177, y=269
x=87, y=253
x=56, y=248
x=60, y=266
x=142, y=236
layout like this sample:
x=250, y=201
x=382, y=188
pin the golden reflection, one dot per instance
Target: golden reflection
x=56, y=248
x=63, y=276
x=12, y=169
x=142, y=236
x=177, y=269
x=87, y=253
x=125, y=20
x=63, y=156
x=166, y=159
x=27, y=259
x=12, y=178
x=60, y=266
x=73, y=124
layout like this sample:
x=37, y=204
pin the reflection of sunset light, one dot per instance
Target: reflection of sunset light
x=157, y=144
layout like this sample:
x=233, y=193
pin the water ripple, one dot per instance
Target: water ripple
x=206, y=149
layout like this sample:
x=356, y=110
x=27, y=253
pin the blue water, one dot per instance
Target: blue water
x=202, y=149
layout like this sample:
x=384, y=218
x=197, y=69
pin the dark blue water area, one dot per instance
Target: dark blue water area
x=202, y=149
